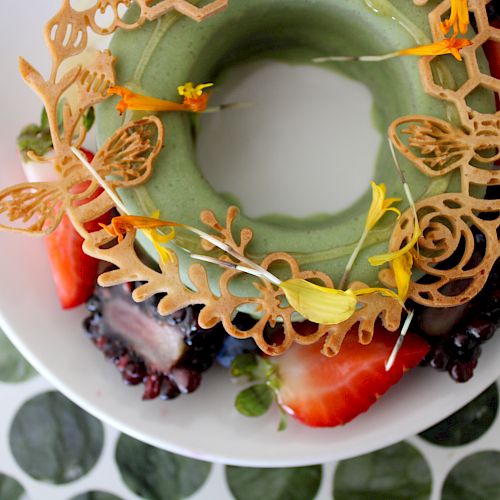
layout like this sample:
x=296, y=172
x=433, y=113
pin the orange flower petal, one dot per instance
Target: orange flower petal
x=459, y=18
x=451, y=46
x=138, y=102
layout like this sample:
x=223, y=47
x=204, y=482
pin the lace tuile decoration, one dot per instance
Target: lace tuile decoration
x=434, y=146
x=459, y=245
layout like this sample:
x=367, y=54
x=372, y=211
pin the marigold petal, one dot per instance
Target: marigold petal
x=319, y=304
x=402, y=266
x=138, y=102
x=459, y=18
x=378, y=260
x=158, y=239
x=447, y=46
x=383, y=291
x=379, y=205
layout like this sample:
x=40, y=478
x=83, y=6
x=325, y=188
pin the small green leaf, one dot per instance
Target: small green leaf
x=55, y=441
x=244, y=364
x=95, y=495
x=156, y=474
x=295, y=483
x=89, y=118
x=476, y=477
x=254, y=401
x=13, y=367
x=10, y=489
x=468, y=424
x=399, y=472
x=283, y=422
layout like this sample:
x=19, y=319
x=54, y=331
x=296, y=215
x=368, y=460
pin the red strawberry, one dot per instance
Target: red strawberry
x=325, y=392
x=74, y=272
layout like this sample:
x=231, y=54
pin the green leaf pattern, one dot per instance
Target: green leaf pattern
x=56, y=442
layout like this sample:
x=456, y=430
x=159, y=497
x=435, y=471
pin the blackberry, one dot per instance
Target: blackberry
x=491, y=311
x=168, y=389
x=462, y=371
x=481, y=330
x=458, y=351
x=152, y=386
x=165, y=353
x=438, y=357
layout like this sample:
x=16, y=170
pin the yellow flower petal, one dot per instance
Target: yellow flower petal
x=319, y=304
x=378, y=260
x=158, y=241
x=383, y=291
x=402, y=273
x=379, y=206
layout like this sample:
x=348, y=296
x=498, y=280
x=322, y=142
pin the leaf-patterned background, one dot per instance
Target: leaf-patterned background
x=51, y=449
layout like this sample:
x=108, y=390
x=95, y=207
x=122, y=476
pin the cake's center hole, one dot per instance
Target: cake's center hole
x=305, y=145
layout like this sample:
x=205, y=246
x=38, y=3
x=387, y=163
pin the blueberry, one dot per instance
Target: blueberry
x=232, y=347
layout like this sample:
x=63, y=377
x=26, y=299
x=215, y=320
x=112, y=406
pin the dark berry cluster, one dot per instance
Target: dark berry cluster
x=123, y=331
x=457, y=347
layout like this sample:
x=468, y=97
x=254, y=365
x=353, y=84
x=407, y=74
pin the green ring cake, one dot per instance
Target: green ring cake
x=156, y=58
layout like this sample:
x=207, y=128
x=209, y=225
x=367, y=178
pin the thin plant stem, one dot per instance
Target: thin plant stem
x=233, y=253
x=223, y=263
x=399, y=343
x=379, y=58
x=406, y=187
x=352, y=260
x=211, y=239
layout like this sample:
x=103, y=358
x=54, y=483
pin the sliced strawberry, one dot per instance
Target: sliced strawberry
x=325, y=392
x=74, y=272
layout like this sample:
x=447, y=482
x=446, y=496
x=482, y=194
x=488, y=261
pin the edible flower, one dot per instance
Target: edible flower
x=402, y=259
x=319, y=304
x=378, y=260
x=451, y=46
x=402, y=262
x=122, y=224
x=323, y=305
x=159, y=239
x=401, y=267
x=379, y=206
x=459, y=18
x=195, y=99
x=149, y=226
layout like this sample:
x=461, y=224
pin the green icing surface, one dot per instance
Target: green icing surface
x=155, y=59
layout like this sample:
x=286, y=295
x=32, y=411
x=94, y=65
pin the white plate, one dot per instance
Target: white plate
x=203, y=425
